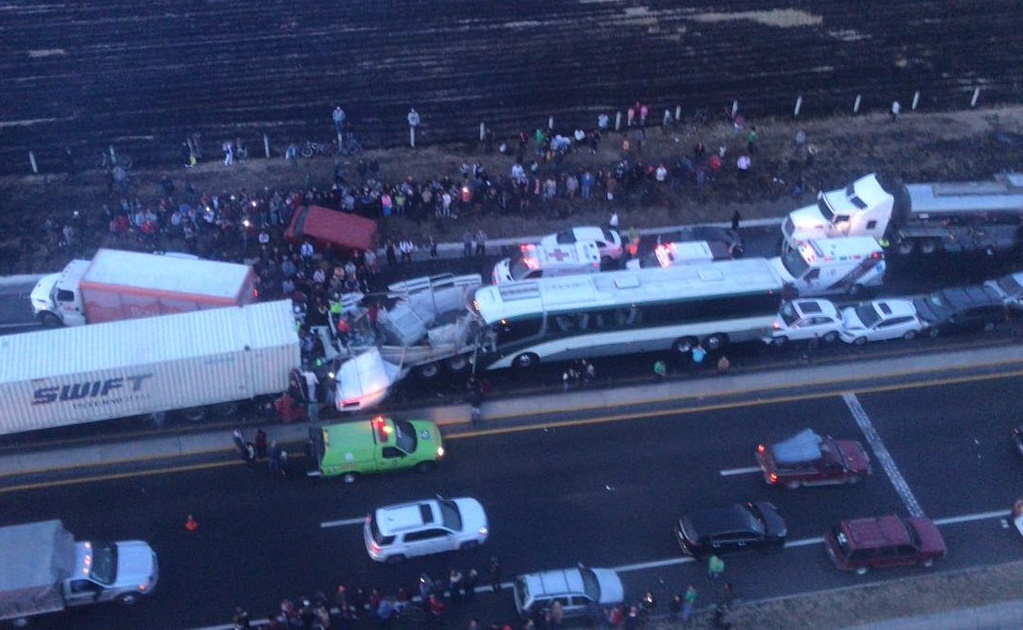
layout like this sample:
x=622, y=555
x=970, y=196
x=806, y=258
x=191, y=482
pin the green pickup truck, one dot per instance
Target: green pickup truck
x=350, y=449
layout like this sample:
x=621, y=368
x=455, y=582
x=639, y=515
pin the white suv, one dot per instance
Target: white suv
x=419, y=528
x=581, y=591
x=801, y=320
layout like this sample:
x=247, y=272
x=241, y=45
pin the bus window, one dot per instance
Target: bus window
x=512, y=331
x=635, y=317
x=565, y=323
x=584, y=321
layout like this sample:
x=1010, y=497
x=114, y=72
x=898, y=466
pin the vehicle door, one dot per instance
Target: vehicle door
x=732, y=541
x=70, y=307
x=392, y=458
x=817, y=325
x=894, y=327
x=82, y=592
x=428, y=541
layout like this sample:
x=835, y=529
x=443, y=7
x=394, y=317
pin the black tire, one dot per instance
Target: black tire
x=128, y=599
x=779, y=341
x=715, y=341
x=224, y=410
x=350, y=477
x=398, y=559
x=194, y=414
x=989, y=326
x=830, y=337
x=859, y=341
x=928, y=246
x=50, y=320
x=683, y=345
x=425, y=467
x=526, y=361
x=307, y=151
x=429, y=371
x=469, y=546
x=910, y=334
x=458, y=364
x=906, y=247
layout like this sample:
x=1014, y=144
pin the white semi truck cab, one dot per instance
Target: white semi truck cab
x=863, y=208
x=57, y=297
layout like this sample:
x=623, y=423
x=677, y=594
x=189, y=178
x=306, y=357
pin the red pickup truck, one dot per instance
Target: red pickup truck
x=808, y=459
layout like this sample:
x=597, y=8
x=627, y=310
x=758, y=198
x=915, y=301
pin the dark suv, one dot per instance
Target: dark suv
x=966, y=308
x=738, y=527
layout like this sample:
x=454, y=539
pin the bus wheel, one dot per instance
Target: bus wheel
x=684, y=345
x=716, y=341
x=928, y=246
x=526, y=361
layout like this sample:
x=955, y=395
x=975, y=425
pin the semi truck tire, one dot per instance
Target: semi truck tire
x=49, y=320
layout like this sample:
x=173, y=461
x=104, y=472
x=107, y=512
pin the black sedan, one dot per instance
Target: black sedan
x=739, y=527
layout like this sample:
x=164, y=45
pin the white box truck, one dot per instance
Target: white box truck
x=44, y=570
x=187, y=362
x=118, y=285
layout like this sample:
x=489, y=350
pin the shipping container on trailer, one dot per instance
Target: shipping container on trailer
x=85, y=374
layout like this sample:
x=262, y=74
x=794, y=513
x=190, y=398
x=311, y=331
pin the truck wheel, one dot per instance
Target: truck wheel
x=684, y=345
x=906, y=247
x=457, y=364
x=128, y=599
x=194, y=414
x=349, y=477
x=429, y=371
x=928, y=246
x=49, y=320
x=716, y=341
x=425, y=467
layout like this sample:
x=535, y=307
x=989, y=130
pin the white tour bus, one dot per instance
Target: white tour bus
x=626, y=312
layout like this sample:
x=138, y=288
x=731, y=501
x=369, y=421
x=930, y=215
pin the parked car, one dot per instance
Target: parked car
x=583, y=592
x=739, y=527
x=880, y=320
x=808, y=459
x=720, y=239
x=977, y=307
x=418, y=528
x=802, y=320
x=608, y=241
x=887, y=541
x=1010, y=289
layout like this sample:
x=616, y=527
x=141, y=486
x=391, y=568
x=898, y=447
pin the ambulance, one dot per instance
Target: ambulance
x=836, y=266
x=548, y=261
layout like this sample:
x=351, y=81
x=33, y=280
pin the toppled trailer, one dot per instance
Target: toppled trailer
x=188, y=363
x=422, y=325
x=984, y=216
x=44, y=570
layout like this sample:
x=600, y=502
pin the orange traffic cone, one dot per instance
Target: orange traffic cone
x=191, y=524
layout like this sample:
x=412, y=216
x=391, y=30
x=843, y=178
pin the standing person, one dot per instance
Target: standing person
x=688, y=603
x=313, y=407
x=495, y=575
x=466, y=244
x=455, y=585
x=698, y=355
x=239, y=441
x=715, y=567
x=751, y=139
x=273, y=458
x=228, y=153
x=736, y=217
x=481, y=242
x=339, y=121
x=469, y=584
x=392, y=256
x=896, y=109
x=675, y=606
x=660, y=369
x=433, y=247
x=260, y=443
x=613, y=221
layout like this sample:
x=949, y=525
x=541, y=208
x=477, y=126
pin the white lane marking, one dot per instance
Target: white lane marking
x=804, y=542
x=967, y=518
x=728, y=472
x=342, y=523
x=640, y=566
x=883, y=456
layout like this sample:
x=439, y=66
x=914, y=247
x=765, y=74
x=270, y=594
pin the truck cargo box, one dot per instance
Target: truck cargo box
x=75, y=375
x=340, y=230
x=37, y=558
x=126, y=285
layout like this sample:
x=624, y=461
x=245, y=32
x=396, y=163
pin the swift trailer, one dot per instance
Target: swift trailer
x=919, y=218
x=626, y=312
x=45, y=570
x=117, y=285
x=839, y=266
x=189, y=363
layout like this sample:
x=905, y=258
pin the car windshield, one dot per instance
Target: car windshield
x=104, y=563
x=754, y=519
x=405, y=436
x=932, y=307
x=788, y=314
x=519, y=269
x=843, y=542
x=450, y=516
x=794, y=263
x=868, y=315
x=590, y=584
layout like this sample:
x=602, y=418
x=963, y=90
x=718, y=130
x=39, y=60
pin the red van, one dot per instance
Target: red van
x=888, y=541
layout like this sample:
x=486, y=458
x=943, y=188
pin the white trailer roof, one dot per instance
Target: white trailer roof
x=132, y=342
x=999, y=194
x=167, y=273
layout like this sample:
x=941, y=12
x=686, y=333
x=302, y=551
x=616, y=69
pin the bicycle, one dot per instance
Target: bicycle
x=310, y=148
